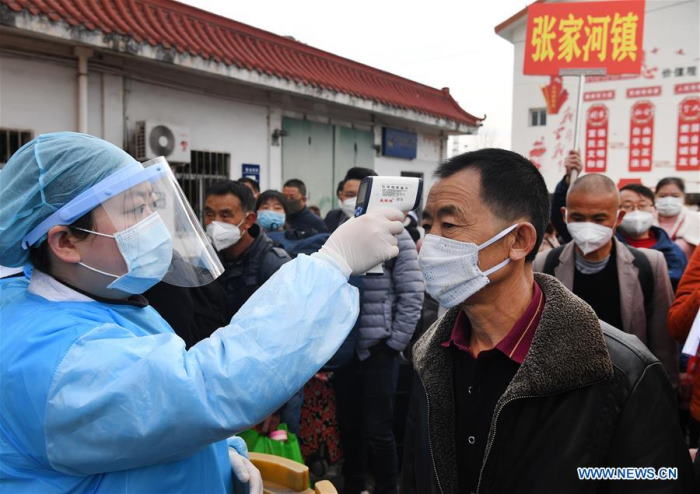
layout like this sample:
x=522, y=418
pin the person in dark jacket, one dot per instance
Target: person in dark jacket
x=572, y=162
x=299, y=217
x=519, y=383
x=248, y=255
x=637, y=229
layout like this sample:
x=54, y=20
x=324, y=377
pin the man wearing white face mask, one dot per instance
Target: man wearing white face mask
x=248, y=255
x=347, y=196
x=628, y=288
x=520, y=383
x=638, y=230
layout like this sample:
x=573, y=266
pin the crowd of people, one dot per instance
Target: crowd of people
x=538, y=334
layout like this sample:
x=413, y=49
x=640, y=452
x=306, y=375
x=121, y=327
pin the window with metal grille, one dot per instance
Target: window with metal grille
x=538, y=117
x=195, y=177
x=10, y=141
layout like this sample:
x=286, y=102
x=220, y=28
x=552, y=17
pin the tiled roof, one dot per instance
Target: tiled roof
x=190, y=30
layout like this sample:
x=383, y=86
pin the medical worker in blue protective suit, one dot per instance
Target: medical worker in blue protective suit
x=98, y=394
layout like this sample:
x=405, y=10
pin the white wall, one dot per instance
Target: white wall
x=669, y=27
x=38, y=96
x=215, y=124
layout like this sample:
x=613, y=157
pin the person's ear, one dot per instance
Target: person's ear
x=61, y=242
x=250, y=219
x=620, y=214
x=525, y=237
x=563, y=213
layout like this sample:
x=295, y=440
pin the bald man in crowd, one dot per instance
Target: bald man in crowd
x=628, y=288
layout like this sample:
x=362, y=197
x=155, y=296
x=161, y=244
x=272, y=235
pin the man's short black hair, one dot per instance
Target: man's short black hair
x=677, y=181
x=511, y=186
x=244, y=194
x=295, y=182
x=272, y=194
x=640, y=189
x=251, y=182
x=358, y=173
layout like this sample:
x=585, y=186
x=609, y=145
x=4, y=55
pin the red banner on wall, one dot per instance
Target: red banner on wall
x=641, y=136
x=586, y=35
x=596, y=138
x=687, y=88
x=688, y=142
x=599, y=95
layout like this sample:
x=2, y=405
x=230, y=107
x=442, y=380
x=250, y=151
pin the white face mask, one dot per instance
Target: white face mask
x=669, y=206
x=223, y=235
x=451, y=268
x=348, y=206
x=637, y=222
x=589, y=236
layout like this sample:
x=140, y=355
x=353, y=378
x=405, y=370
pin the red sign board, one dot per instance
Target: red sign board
x=687, y=88
x=596, y=138
x=688, y=143
x=587, y=35
x=641, y=136
x=599, y=95
x=643, y=92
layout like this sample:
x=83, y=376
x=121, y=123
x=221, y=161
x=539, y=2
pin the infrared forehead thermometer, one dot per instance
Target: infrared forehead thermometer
x=403, y=193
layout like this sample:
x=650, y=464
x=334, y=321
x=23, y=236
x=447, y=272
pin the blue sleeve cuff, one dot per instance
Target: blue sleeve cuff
x=238, y=444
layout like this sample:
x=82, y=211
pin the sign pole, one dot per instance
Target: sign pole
x=577, y=117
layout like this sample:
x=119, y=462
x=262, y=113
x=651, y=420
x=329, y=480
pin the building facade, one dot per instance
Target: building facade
x=216, y=97
x=636, y=128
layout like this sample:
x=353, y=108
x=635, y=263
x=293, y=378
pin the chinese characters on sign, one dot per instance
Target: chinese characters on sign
x=590, y=35
x=688, y=145
x=599, y=95
x=643, y=92
x=641, y=136
x=596, y=138
x=687, y=88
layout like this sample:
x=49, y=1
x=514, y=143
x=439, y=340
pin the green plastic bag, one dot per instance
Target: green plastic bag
x=260, y=443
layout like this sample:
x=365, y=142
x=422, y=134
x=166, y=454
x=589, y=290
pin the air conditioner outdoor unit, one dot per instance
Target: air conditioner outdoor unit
x=153, y=139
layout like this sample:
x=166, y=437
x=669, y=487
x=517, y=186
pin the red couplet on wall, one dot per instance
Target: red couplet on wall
x=688, y=142
x=641, y=136
x=596, y=138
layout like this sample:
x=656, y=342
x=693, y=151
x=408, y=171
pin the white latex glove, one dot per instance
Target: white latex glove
x=364, y=242
x=245, y=472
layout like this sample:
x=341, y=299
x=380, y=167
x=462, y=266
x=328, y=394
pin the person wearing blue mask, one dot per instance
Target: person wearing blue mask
x=98, y=393
x=519, y=383
x=271, y=207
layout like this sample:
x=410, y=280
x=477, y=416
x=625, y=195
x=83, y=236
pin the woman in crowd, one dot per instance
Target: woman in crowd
x=681, y=224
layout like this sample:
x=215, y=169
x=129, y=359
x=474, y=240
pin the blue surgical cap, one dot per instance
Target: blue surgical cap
x=45, y=174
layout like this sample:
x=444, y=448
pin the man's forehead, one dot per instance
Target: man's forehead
x=590, y=201
x=458, y=190
x=226, y=201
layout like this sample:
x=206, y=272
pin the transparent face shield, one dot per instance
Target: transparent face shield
x=143, y=228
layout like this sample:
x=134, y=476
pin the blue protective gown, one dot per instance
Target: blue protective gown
x=104, y=398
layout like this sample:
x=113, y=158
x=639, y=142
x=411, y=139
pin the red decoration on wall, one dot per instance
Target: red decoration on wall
x=596, y=138
x=554, y=94
x=641, y=136
x=643, y=92
x=687, y=88
x=688, y=143
x=599, y=95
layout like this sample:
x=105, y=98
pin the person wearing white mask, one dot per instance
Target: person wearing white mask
x=247, y=253
x=638, y=230
x=681, y=224
x=347, y=197
x=628, y=288
x=518, y=382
